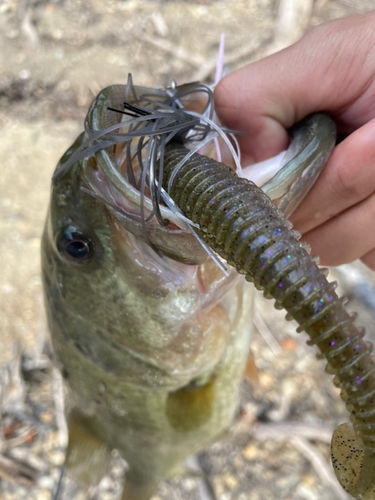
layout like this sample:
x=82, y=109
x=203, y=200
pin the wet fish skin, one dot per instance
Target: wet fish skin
x=153, y=365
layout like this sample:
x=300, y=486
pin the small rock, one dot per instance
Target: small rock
x=45, y=417
x=266, y=381
x=231, y=481
x=218, y=486
x=289, y=344
x=238, y=463
x=251, y=452
x=189, y=484
x=308, y=479
x=46, y=482
x=56, y=457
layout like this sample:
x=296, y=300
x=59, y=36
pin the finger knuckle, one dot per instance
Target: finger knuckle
x=344, y=184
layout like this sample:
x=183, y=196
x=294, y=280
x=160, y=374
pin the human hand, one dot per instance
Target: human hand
x=331, y=69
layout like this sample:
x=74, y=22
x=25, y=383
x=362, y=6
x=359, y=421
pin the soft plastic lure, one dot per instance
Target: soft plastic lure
x=239, y=222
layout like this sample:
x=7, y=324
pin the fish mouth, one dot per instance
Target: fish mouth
x=105, y=175
x=130, y=190
x=119, y=159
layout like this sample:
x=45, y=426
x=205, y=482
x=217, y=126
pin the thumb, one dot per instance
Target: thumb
x=324, y=71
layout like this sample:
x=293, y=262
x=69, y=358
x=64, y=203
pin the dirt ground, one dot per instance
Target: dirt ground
x=54, y=58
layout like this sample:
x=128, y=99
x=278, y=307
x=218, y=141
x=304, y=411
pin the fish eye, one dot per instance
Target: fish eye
x=73, y=245
x=78, y=249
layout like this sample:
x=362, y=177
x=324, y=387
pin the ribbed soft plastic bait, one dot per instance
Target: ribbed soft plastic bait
x=243, y=226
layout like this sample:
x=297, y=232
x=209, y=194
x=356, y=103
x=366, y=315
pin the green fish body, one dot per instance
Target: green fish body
x=153, y=351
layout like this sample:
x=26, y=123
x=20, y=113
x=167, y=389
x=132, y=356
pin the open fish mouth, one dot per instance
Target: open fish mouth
x=121, y=154
x=128, y=130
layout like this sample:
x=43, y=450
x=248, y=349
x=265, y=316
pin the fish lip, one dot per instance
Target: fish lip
x=174, y=240
x=101, y=117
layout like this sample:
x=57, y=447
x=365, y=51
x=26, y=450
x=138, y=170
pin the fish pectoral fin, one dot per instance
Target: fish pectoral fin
x=87, y=458
x=191, y=407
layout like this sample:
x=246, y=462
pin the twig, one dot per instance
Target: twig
x=29, y=30
x=292, y=20
x=159, y=23
x=209, y=67
x=58, y=490
x=23, y=416
x=13, y=386
x=58, y=397
x=320, y=4
x=194, y=464
x=323, y=470
x=287, y=430
x=357, y=284
x=266, y=334
x=20, y=473
x=171, y=48
x=24, y=455
x=280, y=413
x=30, y=432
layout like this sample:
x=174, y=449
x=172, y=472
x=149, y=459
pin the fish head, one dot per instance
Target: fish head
x=116, y=292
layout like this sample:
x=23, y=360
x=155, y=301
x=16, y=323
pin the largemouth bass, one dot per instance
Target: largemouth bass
x=151, y=336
